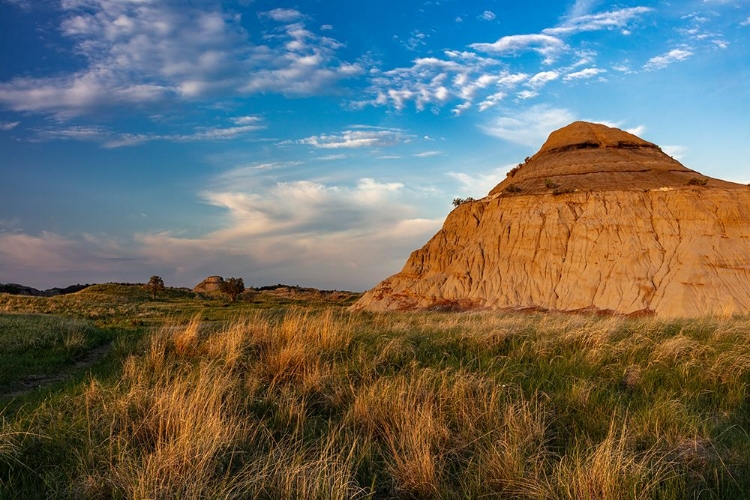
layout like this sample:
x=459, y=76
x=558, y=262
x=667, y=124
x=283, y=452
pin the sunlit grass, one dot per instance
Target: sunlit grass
x=325, y=404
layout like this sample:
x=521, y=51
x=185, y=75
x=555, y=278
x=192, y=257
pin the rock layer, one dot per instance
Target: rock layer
x=210, y=284
x=597, y=220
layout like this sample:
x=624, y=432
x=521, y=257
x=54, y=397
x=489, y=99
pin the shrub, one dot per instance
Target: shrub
x=697, y=182
x=512, y=172
x=550, y=184
x=512, y=188
x=461, y=201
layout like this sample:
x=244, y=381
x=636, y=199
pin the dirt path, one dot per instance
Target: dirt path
x=34, y=382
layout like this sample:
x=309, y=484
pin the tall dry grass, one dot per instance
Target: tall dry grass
x=326, y=404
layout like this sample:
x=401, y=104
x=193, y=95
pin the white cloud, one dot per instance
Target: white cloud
x=428, y=154
x=541, y=79
x=5, y=126
x=491, y=101
x=247, y=120
x=487, y=15
x=674, y=55
x=414, y=41
x=581, y=8
x=141, y=53
x=527, y=94
x=480, y=81
x=283, y=15
x=676, y=152
x=511, y=80
x=594, y=22
x=584, y=74
x=358, y=138
x=638, y=130
x=432, y=81
x=302, y=232
x=306, y=230
x=332, y=157
x=546, y=45
x=49, y=259
x=746, y=22
x=112, y=140
x=530, y=127
x=479, y=185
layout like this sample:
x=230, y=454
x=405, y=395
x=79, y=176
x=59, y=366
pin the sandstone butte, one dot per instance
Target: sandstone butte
x=598, y=220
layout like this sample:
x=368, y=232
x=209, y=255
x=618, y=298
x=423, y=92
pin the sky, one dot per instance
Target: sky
x=319, y=142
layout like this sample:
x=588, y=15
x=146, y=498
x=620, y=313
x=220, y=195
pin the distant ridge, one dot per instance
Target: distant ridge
x=16, y=289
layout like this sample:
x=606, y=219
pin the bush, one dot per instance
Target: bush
x=512, y=188
x=697, y=182
x=512, y=172
x=461, y=201
x=550, y=184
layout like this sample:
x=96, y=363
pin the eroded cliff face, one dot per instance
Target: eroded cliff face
x=662, y=244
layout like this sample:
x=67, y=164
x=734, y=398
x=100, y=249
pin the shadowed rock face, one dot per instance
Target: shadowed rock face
x=597, y=220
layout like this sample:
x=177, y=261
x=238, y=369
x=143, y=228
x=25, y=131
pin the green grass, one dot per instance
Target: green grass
x=314, y=402
x=131, y=306
x=42, y=346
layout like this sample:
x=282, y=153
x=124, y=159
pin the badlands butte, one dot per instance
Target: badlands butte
x=598, y=220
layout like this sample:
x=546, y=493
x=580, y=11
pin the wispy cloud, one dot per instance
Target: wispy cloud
x=283, y=15
x=111, y=140
x=428, y=154
x=584, y=74
x=546, y=45
x=676, y=152
x=483, y=76
x=662, y=61
x=299, y=232
x=5, y=126
x=487, y=15
x=541, y=79
x=581, y=8
x=358, y=138
x=530, y=127
x=142, y=53
x=332, y=157
x=620, y=19
x=478, y=185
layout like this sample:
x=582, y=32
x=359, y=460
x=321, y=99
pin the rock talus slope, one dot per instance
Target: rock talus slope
x=597, y=220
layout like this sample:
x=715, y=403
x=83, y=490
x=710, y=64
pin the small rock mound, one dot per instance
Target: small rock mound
x=210, y=284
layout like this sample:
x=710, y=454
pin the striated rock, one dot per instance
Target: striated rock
x=210, y=284
x=597, y=220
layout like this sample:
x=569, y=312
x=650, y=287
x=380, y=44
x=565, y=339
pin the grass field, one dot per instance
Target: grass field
x=276, y=399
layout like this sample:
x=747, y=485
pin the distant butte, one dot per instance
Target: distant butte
x=597, y=220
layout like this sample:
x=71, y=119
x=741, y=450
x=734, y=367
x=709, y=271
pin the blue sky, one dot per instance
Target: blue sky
x=319, y=142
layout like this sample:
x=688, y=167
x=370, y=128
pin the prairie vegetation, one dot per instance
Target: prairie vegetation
x=320, y=403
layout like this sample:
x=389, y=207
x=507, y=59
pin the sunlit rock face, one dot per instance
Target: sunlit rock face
x=210, y=284
x=597, y=220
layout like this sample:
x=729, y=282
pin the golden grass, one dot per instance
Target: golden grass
x=326, y=404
